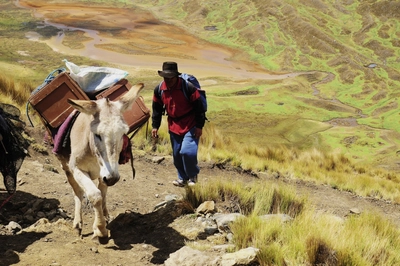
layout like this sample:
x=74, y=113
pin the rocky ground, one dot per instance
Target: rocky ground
x=140, y=233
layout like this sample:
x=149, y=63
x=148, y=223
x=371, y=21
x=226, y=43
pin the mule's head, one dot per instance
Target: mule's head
x=107, y=128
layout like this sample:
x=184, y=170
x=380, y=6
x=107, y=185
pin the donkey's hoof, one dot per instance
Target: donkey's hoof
x=79, y=232
x=100, y=240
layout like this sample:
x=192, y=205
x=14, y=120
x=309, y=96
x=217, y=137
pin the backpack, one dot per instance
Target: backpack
x=192, y=79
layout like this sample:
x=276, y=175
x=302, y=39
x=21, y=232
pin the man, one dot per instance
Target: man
x=186, y=118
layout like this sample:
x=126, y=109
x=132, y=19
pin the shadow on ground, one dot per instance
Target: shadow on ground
x=151, y=228
x=13, y=209
x=11, y=244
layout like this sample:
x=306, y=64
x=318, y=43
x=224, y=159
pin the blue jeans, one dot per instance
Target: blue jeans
x=184, y=152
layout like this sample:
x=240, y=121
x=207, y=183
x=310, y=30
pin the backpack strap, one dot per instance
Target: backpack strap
x=186, y=89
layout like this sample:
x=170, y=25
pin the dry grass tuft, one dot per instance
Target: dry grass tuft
x=39, y=148
x=286, y=203
x=14, y=92
x=248, y=199
x=320, y=253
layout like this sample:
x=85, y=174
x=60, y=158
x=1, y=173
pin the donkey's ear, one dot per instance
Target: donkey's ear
x=87, y=107
x=128, y=98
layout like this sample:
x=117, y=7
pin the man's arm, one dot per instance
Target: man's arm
x=199, y=112
x=157, y=108
x=200, y=115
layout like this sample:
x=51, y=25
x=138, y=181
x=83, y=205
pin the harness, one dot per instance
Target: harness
x=61, y=141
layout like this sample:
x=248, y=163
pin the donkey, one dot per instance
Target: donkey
x=96, y=141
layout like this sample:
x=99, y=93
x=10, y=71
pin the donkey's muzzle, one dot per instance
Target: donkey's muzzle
x=111, y=181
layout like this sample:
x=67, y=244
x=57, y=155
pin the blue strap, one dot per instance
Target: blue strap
x=49, y=78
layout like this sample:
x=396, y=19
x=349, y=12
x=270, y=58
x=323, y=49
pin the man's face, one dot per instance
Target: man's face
x=171, y=82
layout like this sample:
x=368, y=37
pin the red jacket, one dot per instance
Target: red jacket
x=183, y=113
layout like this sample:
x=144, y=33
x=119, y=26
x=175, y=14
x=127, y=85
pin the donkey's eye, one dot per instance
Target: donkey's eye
x=97, y=136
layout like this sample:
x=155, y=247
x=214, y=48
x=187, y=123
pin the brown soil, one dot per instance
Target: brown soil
x=139, y=235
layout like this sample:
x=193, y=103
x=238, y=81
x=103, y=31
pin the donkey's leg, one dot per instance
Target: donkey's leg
x=103, y=188
x=95, y=198
x=78, y=196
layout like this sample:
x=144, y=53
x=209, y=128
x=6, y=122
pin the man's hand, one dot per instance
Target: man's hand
x=198, y=132
x=154, y=133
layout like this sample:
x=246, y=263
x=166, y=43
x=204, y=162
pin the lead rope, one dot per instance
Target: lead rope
x=2, y=144
x=6, y=200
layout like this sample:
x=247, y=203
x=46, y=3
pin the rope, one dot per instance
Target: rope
x=6, y=200
x=138, y=128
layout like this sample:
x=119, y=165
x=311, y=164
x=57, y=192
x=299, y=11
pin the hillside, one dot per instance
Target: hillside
x=356, y=42
x=301, y=74
x=314, y=73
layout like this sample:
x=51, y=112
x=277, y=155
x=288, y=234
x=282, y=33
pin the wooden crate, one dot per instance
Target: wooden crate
x=135, y=117
x=51, y=100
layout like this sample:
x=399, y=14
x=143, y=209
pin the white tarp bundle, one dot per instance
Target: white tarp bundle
x=94, y=79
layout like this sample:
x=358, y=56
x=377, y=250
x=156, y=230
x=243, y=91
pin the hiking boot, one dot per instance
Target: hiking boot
x=179, y=183
x=192, y=181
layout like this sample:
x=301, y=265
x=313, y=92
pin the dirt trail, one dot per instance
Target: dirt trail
x=141, y=236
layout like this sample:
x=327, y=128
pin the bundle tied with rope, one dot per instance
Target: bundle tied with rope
x=13, y=146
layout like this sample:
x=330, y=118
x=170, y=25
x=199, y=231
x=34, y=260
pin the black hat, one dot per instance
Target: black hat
x=169, y=70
